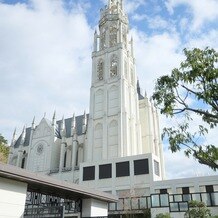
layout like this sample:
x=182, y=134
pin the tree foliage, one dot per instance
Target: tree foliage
x=4, y=149
x=163, y=215
x=188, y=94
x=197, y=210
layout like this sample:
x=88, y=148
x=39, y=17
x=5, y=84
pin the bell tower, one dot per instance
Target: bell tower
x=113, y=128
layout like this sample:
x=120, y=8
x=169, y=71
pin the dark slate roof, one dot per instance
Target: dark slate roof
x=27, y=138
x=68, y=121
x=140, y=96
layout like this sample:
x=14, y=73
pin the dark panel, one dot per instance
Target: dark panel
x=163, y=191
x=122, y=169
x=185, y=190
x=141, y=167
x=209, y=188
x=88, y=173
x=105, y=171
x=156, y=168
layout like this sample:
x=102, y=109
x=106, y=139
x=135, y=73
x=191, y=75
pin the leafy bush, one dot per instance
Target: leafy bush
x=197, y=210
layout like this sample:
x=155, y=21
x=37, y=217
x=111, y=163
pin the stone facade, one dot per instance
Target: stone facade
x=121, y=121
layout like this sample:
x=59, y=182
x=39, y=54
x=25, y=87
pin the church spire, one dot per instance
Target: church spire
x=54, y=119
x=14, y=137
x=33, y=123
x=84, y=122
x=73, y=125
x=62, y=128
x=23, y=135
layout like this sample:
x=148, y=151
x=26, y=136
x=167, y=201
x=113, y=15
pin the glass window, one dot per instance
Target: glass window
x=141, y=167
x=105, y=171
x=178, y=197
x=120, y=204
x=174, y=207
x=156, y=168
x=155, y=201
x=122, y=169
x=209, y=188
x=183, y=206
x=135, y=203
x=143, y=203
x=164, y=200
x=112, y=206
x=88, y=173
x=127, y=204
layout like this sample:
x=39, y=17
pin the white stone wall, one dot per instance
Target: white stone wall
x=132, y=183
x=94, y=208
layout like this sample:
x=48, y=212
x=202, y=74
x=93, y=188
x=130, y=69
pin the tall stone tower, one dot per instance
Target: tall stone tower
x=113, y=128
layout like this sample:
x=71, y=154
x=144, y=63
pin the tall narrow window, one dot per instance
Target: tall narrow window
x=156, y=168
x=100, y=70
x=113, y=139
x=98, y=141
x=23, y=163
x=114, y=66
x=186, y=194
x=103, y=39
x=113, y=35
x=65, y=159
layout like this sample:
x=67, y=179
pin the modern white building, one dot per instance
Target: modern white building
x=115, y=148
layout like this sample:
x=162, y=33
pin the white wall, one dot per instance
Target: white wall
x=94, y=208
x=12, y=198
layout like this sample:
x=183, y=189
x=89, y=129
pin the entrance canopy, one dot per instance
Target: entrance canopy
x=49, y=186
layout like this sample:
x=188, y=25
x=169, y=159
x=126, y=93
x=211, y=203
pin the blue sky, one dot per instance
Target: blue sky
x=45, y=56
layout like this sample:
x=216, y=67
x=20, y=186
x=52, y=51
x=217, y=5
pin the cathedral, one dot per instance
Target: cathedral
x=115, y=148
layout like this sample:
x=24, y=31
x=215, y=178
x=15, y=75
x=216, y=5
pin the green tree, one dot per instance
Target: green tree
x=189, y=93
x=4, y=149
x=197, y=210
x=163, y=215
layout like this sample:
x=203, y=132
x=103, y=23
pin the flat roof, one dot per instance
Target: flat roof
x=47, y=185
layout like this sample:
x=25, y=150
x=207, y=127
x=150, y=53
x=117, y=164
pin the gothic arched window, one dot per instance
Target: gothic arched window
x=113, y=35
x=114, y=66
x=100, y=69
x=103, y=39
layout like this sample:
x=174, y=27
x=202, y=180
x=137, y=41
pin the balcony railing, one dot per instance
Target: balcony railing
x=175, y=202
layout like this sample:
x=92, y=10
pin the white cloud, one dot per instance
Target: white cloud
x=203, y=10
x=44, y=50
x=132, y=5
x=139, y=17
x=180, y=166
x=155, y=55
x=205, y=40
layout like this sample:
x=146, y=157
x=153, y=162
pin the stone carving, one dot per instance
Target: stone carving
x=39, y=149
x=100, y=70
x=126, y=69
x=113, y=7
x=132, y=77
x=103, y=39
x=114, y=66
x=124, y=36
x=113, y=35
